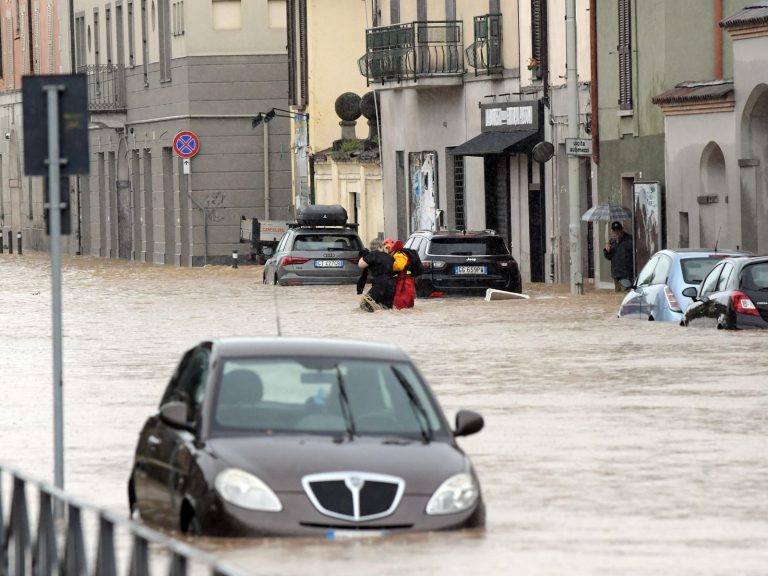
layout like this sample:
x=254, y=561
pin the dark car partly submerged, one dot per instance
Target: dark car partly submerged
x=733, y=295
x=290, y=437
x=458, y=261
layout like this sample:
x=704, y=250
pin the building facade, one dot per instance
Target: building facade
x=29, y=44
x=661, y=43
x=717, y=146
x=155, y=69
x=468, y=90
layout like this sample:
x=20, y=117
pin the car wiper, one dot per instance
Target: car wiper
x=346, y=408
x=416, y=405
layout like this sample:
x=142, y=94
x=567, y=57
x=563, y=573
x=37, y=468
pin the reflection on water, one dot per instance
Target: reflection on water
x=611, y=446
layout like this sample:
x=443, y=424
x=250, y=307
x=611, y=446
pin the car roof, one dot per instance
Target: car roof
x=700, y=252
x=454, y=233
x=305, y=346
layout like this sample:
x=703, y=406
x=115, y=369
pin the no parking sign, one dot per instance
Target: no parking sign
x=186, y=144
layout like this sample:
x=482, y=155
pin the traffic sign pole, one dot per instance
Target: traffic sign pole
x=54, y=213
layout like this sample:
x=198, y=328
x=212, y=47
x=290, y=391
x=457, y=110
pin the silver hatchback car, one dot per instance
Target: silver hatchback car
x=320, y=248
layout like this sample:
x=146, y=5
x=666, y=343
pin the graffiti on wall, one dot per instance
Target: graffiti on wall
x=422, y=168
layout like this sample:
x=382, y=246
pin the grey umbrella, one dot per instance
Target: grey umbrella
x=607, y=213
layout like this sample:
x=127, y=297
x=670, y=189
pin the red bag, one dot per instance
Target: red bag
x=405, y=291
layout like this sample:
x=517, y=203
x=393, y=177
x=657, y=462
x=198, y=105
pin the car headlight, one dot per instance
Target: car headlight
x=456, y=494
x=247, y=491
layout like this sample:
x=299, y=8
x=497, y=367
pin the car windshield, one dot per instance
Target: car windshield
x=327, y=242
x=694, y=269
x=468, y=246
x=322, y=396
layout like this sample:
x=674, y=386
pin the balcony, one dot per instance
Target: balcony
x=484, y=54
x=106, y=87
x=413, y=51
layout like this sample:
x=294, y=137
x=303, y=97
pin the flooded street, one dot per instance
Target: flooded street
x=611, y=447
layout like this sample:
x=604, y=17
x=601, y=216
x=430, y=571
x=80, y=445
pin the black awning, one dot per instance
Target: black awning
x=498, y=143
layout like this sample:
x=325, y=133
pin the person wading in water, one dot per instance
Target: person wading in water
x=377, y=265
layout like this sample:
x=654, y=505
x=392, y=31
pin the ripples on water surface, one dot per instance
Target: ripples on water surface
x=611, y=447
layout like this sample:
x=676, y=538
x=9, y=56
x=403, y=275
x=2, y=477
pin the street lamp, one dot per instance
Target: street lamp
x=305, y=173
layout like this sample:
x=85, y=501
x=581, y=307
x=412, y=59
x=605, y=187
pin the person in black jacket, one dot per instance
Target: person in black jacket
x=377, y=266
x=620, y=251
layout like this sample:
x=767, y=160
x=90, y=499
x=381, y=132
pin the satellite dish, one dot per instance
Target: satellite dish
x=543, y=151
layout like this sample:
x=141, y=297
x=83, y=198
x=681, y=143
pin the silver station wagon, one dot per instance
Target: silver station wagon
x=319, y=248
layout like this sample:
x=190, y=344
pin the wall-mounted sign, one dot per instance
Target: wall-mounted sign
x=578, y=147
x=510, y=116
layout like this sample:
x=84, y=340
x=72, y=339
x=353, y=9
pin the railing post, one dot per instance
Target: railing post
x=18, y=242
x=139, y=557
x=106, y=560
x=178, y=565
x=74, y=554
x=46, y=557
x=20, y=561
x=10, y=241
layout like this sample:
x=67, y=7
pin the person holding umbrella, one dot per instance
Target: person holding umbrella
x=620, y=251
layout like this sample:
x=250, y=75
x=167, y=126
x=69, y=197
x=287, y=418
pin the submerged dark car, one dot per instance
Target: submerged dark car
x=302, y=437
x=733, y=295
x=459, y=261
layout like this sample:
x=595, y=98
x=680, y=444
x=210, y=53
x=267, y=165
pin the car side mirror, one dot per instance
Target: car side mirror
x=468, y=422
x=175, y=414
x=690, y=292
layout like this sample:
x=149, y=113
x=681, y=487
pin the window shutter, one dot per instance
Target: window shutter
x=291, y=24
x=303, y=52
x=625, y=55
x=539, y=37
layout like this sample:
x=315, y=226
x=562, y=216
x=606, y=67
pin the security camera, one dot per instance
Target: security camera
x=7, y=135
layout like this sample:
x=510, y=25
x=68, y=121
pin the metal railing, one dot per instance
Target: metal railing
x=20, y=554
x=106, y=87
x=413, y=50
x=484, y=54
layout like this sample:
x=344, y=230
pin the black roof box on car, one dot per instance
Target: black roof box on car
x=321, y=215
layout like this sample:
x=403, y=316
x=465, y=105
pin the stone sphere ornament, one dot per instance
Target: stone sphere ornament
x=368, y=105
x=348, y=106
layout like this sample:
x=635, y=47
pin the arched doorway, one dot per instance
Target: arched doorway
x=712, y=221
x=754, y=171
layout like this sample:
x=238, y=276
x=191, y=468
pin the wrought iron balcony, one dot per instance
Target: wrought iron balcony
x=412, y=50
x=484, y=54
x=106, y=87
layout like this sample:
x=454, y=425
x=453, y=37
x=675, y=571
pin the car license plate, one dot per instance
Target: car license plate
x=470, y=270
x=329, y=264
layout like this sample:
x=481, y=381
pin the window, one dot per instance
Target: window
x=710, y=282
x=227, y=15
x=108, y=24
x=144, y=42
x=131, y=36
x=164, y=40
x=119, y=36
x=661, y=272
x=394, y=11
x=80, y=39
x=178, y=18
x=276, y=13
x=96, y=40
x=297, y=52
x=645, y=278
x=725, y=275
x=625, y=55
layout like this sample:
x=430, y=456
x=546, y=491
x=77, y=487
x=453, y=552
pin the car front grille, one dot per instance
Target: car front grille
x=354, y=496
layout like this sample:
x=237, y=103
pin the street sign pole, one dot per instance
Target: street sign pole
x=54, y=214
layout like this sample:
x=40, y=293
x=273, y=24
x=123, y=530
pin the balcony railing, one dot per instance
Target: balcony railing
x=484, y=54
x=106, y=87
x=413, y=50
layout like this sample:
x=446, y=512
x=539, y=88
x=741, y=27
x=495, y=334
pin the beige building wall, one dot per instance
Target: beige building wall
x=336, y=39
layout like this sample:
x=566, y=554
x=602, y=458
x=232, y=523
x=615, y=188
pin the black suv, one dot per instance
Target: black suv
x=464, y=261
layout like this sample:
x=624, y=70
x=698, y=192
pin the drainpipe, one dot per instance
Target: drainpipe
x=718, y=40
x=266, y=171
x=593, y=83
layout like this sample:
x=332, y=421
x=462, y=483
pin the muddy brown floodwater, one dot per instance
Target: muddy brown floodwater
x=611, y=447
